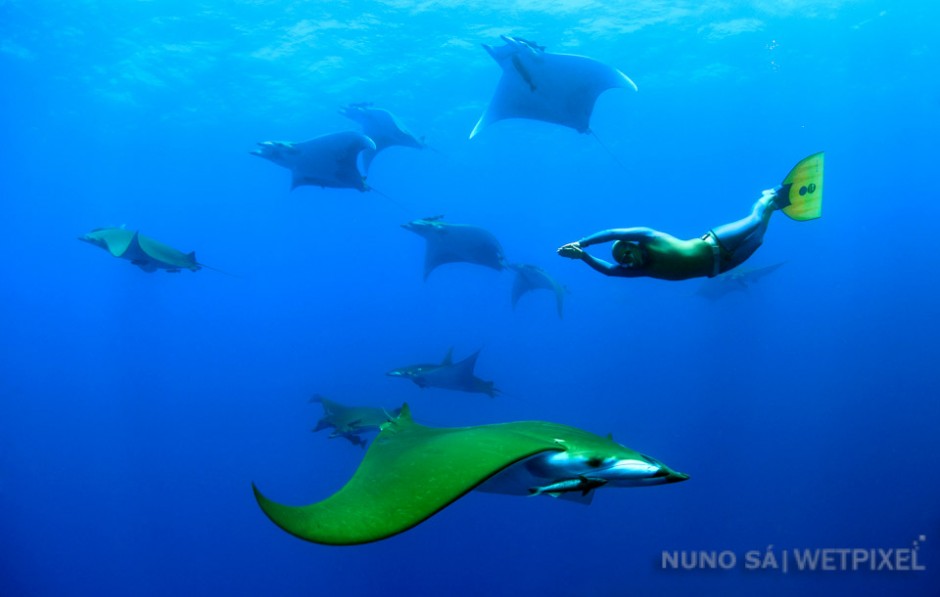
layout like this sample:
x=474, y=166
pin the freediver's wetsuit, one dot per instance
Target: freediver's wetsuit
x=668, y=258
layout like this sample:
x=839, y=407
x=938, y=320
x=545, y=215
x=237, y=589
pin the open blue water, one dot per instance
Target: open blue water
x=136, y=409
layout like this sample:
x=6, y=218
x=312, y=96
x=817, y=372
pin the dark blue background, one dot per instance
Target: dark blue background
x=136, y=409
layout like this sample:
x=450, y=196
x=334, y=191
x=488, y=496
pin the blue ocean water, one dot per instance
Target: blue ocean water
x=137, y=408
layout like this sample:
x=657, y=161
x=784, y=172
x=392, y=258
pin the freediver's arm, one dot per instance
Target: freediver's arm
x=637, y=234
x=574, y=251
x=606, y=268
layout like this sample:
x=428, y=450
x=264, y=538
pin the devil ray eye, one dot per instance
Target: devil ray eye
x=594, y=462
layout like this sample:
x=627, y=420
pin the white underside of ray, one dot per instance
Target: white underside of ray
x=547, y=468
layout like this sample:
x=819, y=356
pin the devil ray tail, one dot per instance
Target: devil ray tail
x=221, y=271
x=394, y=201
x=611, y=153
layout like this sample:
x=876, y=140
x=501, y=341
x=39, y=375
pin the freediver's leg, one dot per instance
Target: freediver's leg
x=743, y=237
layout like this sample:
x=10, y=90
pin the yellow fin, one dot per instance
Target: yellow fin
x=801, y=193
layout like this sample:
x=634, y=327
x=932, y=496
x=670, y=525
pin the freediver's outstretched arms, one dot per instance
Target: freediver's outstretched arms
x=576, y=250
x=636, y=234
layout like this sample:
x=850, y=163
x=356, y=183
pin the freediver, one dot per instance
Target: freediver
x=639, y=252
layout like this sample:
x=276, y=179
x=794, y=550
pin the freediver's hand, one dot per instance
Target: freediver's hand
x=571, y=250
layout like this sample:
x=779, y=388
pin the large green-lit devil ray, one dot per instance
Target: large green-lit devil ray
x=411, y=472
